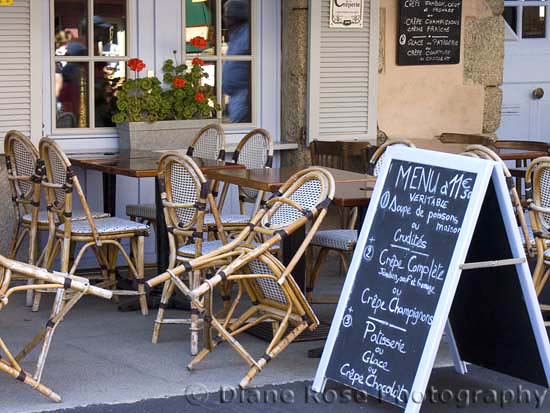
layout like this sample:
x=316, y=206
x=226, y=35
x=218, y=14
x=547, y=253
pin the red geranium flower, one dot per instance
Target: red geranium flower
x=198, y=61
x=136, y=64
x=179, y=82
x=199, y=97
x=199, y=42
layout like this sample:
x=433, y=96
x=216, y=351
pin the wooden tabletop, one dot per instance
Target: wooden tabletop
x=139, y=167
x=352, y=189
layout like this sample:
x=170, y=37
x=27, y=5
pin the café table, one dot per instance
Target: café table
x=352, y=189
x=138, y=164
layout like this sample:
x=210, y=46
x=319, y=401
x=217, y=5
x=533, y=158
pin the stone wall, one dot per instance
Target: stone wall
x=8, y=216
x=414, y=101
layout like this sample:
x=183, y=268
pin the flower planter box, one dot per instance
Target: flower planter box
x=166, y=134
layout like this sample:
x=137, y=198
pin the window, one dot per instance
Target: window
x=89, y=48
x=527, y=19
x=220, y=32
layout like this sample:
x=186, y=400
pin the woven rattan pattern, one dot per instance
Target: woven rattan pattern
x=545, y=196
x=24, y=166
x=307, y=196
x=253, y=155
x=269, y=288
x=184, y=191
x=59, y=173
x=208, y=145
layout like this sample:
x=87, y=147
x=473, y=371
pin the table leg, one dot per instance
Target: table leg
x=163, y=249
x=109, y=193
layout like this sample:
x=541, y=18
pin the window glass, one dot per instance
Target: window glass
x=71, y=27
x=71, y=85
x=511, y=16
x=110, y=27
x=534, y=22
x=225, y=44
x=200, y=27
x=107, y=76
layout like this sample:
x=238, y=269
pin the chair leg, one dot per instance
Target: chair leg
x=12, y=251
x=194, y=282
x=27, y=378
x=50, y=257
x=255, y=369
x=312, y=279
x=140, y=269
x=167, y=292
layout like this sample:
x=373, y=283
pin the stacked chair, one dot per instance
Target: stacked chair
x=342, y=241
x=102, y=235
x=186, y=197
x=59, y=282
x=268, y=284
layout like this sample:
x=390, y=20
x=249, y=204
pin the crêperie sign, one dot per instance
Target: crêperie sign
x=405, y=262
x=429, y=32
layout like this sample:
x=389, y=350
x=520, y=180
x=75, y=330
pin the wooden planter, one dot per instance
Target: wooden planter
x=166, y=134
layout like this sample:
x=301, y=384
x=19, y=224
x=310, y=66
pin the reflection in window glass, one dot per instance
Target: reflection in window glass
x=71, y=27
x=236, y=82
x=511, y=16
x=534, y=22
x=200, y=27
x=236, y=27
x=110, y=28
x=71, y=86
x=107, y=76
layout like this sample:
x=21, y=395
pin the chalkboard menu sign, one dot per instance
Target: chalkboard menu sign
x=429, y=212
x=404, y=266
x=429, y=32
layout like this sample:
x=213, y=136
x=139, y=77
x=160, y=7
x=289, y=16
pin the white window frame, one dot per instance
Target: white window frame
x=266, y=74
x=313, y=97
x=91, y=59
x=519, y=5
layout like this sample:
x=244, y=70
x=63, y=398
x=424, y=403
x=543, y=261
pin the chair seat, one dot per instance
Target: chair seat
x=77, y=216
x=147, y=211
x=338, y=239
x=207, y=246
x=227, y=219
x=104, y=226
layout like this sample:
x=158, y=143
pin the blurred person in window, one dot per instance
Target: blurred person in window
x=236, y=75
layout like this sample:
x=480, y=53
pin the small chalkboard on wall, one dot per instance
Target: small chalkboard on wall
x=429, y=32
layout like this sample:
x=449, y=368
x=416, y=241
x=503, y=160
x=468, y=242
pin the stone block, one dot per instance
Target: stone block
x=484, y=50
x=496, y=6
x=492, y=109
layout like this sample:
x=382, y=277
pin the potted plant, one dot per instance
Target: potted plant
x=149, y=116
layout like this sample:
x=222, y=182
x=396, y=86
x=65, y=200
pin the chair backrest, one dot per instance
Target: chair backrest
x=60, y=184
x=326, y=153
x=537, y=183
x=255, y=150
x=21, y=157
x=376, y=161
x=186, y=194
x=467, y=139
x=209, y=143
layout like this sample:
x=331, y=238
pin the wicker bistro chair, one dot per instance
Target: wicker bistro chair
x=103, y=235
x=342, y=241
x=186, y=196
x=525, y=231
x=537, y=186
x=209, y=143
x=273, y=293
x=10, y=363
x=254, y=151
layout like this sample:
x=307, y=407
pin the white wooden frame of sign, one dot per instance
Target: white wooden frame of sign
x=485, y=170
